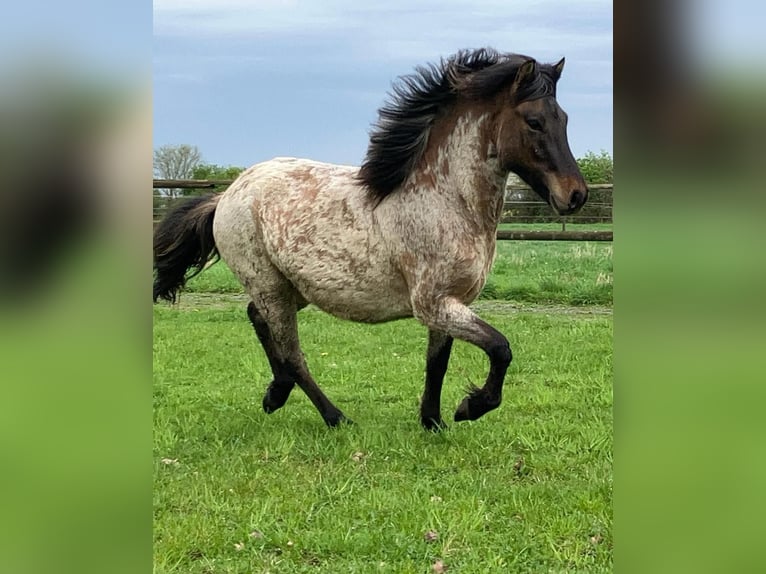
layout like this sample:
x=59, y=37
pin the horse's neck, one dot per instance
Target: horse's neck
x=465, y=172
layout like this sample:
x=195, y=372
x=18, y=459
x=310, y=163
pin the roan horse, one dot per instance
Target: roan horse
x=410, y=233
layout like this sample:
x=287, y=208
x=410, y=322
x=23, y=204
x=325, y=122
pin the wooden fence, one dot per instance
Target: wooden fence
x=519, y=209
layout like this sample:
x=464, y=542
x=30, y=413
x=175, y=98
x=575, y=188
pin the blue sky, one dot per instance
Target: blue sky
x=246, y=81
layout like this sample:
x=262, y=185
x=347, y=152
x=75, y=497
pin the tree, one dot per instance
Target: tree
x=597, y=168
x=176, y=162
x=213, y=171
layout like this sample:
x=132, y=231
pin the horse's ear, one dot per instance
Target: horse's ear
x=558, y=68
x=524, y=75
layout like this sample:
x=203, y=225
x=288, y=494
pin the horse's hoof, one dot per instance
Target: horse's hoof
x=269, y=406
x=336, y=420
x=463, y=412
x=475, y=406
x=275, y=398
x=433, y=424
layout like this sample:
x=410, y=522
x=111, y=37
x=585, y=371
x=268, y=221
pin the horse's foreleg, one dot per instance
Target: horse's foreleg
x=279, y=389
x=458, y=321
x=437, y=357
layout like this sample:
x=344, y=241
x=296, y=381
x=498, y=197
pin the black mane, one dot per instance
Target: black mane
x=400, y=136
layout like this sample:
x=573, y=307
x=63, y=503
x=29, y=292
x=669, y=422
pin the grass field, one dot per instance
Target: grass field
x=527, y=488
x=540, y=272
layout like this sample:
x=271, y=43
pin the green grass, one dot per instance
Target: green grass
x=539, y=272
x=527, y=488
x=544, y=272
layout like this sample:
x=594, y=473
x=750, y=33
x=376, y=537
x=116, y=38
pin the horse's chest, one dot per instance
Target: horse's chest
x=459, y=270
x=471, y=275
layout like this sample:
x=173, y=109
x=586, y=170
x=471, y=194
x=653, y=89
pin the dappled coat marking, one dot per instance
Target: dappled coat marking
x=411, y=233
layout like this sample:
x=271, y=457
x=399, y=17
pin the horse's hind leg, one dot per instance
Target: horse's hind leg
x=279, y=389
x=331, y=414
x=276, y=319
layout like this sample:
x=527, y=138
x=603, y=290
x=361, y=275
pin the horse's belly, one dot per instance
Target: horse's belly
x=341, y=269
x=347, y=287
x=364, y=306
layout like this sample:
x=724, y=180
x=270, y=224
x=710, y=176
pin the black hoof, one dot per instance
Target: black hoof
x=275, y=398
x=474, y=406
x=268, y=407
x=337, y=419
x=463, y=412
x=433, y=424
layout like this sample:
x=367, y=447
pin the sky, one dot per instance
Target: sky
x=247, y=81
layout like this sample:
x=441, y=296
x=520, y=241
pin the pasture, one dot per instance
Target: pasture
x=527, y=488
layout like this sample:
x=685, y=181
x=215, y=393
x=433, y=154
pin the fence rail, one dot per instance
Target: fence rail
x=510, y=209
x=543, y=235
x=190, y=183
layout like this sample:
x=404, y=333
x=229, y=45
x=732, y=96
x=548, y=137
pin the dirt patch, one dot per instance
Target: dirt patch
x=223, y=300
x=515, y=307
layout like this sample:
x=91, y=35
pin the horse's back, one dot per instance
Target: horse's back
x=315, y=224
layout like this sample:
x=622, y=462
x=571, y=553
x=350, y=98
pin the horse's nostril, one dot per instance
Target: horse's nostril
x=576, y=199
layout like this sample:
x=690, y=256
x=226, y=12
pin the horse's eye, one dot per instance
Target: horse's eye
x=535, y=124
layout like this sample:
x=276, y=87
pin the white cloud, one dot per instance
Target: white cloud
x=396, y=17
x=348, y=50
x=398, y=32
x=182, y=18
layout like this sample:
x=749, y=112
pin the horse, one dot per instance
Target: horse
x=409, y=233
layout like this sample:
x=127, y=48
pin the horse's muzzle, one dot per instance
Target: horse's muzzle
x=574, y=203
x=577, y=199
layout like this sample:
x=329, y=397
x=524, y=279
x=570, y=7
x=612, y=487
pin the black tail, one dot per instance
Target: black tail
x=183, y=240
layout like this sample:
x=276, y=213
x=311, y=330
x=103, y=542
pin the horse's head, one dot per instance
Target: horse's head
x=532, y=138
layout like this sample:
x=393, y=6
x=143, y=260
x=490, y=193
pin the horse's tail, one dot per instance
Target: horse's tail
x=183, y=240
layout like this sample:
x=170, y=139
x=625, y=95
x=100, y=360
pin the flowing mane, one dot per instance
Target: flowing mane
x=399, y=137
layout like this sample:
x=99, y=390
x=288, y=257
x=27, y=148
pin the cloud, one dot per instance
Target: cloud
x=333, y=61
x=212, y=18
x=410, y=31
x=393, y=36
